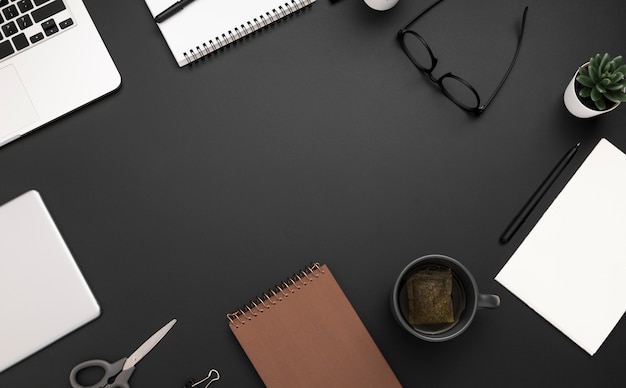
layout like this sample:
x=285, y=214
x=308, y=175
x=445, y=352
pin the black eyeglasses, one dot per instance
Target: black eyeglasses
x=454, y=87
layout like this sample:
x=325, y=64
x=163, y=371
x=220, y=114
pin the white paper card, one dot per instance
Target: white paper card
x=571, y=268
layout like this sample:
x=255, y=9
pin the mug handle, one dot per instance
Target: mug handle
x=488, y=301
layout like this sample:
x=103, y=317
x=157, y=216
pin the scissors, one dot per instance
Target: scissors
x=116, y=375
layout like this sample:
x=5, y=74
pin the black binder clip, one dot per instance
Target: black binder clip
x=213, y=375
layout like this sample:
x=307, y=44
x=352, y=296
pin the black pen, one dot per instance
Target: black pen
x=536, y=197
x=171, y=10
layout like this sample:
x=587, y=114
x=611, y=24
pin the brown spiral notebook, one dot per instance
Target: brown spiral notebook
x=305, y=333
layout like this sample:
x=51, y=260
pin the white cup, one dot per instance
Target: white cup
x=381, y=5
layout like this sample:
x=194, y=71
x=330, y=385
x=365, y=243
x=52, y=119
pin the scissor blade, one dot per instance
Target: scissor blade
x=147, y=346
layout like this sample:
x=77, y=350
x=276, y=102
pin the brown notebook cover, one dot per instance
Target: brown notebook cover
x=305, y=333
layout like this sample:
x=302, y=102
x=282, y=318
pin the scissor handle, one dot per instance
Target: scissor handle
x=110, y=370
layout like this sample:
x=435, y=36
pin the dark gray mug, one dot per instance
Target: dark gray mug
x=466, y=298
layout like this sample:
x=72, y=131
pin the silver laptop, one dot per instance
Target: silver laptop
x=52, y=61
x=43, y=295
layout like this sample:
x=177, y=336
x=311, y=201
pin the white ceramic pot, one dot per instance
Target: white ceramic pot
x=577, y=108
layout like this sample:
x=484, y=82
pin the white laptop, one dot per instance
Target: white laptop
x=43, y=295
x=52, y=61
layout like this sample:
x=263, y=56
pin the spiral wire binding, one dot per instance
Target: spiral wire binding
x=245, y=29
x=275, y=295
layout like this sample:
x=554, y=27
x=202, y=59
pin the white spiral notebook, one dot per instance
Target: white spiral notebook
x=205, y=26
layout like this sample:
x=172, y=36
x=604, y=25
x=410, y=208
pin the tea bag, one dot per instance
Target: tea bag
x=430, y=297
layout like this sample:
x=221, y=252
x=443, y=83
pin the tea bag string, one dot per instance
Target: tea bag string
x=208, y=377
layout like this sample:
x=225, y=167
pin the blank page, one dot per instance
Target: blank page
x=571, y=267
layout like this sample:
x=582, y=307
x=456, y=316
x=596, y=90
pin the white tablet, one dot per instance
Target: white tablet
x=43, y=295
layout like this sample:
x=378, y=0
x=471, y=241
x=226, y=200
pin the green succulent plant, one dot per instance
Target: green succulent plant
x=603, y=79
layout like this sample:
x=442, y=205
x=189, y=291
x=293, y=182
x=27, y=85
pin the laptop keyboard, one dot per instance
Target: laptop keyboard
x=25, y=23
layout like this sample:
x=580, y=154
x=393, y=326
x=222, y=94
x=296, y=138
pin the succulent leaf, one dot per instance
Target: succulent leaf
x=603, y=62
x=585, y=81
x=615, y=96
x=610, y=67
x=584, y=92
x=600, y=104
x=600, y=88
x=615, y=87
x=621, y=70
x=595, y=95
x=616, y=77
x=595, y=60
x=593, y=74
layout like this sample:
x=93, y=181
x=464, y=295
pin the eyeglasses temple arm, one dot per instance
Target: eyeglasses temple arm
x=421, y=14
x=506, y=75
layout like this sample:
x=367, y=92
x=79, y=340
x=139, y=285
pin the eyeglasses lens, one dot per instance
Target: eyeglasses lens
x=418, y=51
x=461, y=93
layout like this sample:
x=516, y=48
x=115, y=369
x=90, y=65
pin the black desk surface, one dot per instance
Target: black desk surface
x=191, y=190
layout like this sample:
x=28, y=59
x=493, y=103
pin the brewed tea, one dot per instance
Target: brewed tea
x=432, y=299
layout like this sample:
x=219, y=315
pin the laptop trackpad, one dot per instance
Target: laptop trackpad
x=16, y=108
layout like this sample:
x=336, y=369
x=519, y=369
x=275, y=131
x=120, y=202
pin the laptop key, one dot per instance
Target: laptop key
x=20, y=41
x=47, y=10
x=10, y=12
x=49, y=27
x=47, y=24
x=3, y=3
x=66, y=23
x=9, y=29
x=36, y=38
x=24, y=22
x=6, y=49
x=40, y=2
x=24, y=5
